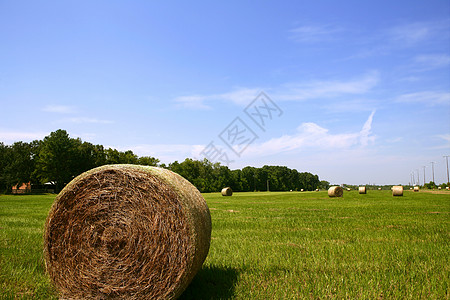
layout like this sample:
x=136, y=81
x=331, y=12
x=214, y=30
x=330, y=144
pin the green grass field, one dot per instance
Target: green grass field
x=279, y=246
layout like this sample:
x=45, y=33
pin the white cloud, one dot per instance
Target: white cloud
x=299, y=91
x=433, y=60
x=406, y=35
x=167, y=153
x=9, y=137
x=61, y=109
x=327, y=88
x=411, y=33
x=81, y=120
x=314, y=33
x=445, y=137
x=240, y=96
x=193, y=102
x=427, y=97
x=311, y=135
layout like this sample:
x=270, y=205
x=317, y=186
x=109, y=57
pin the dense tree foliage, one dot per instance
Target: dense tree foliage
x=58, y=158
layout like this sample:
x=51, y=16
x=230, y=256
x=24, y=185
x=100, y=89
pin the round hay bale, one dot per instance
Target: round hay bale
x=128, y=232
x=301, y=190
x=439, y=188
x=335, y=191
x=362, y=190
x=416, y=189
x=317, y=190
x=397, y=190
x=227, y=191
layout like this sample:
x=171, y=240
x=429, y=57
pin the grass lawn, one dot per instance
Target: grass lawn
x=288, y=245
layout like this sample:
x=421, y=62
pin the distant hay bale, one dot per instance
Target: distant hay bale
x=397, y=190
x=349, y=189
x=379, y=189
x=416, y=189
x=317, y=190
x=126, y=232
x=227, y=191
x=335, y=191
x=439, y=188
x=362, y=190
x=301, y=190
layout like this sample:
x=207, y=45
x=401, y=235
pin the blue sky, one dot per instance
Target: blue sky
x=359, y=90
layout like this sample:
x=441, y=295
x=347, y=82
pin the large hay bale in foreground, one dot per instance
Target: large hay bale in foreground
x=397, y=190
x=227, y=191
x=335, y=191
x=126, y=231
x=362, y=190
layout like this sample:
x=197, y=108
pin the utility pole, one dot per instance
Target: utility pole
x=418, y=177
x=414, y=178
x=446, y=158
x=432, y=168
x=268, y=186
x=423, y=175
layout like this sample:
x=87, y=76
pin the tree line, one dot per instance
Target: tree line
x=58, y=158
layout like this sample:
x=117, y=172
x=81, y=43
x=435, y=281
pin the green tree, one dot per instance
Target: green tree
x=324, y=184
x=114, y=156
x=58, y=158
x=430, y=185
x=3, y=161
x=148, y=161
x=20, y=163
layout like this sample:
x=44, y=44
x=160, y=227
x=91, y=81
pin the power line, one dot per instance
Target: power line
x=423, y=174
x=446, y=158
x=432, y=168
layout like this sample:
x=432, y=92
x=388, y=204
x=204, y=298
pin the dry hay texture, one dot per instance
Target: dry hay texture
x=335, y=191
x=362, y=190
x=397, y=190
x=227, y=191
x=126, y=232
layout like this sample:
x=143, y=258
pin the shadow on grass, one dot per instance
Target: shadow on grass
x=212, y=283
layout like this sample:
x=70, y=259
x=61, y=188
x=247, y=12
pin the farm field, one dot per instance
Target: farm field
x=279, y=245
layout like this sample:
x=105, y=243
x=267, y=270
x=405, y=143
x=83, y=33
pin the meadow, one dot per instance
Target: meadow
x=278, y=245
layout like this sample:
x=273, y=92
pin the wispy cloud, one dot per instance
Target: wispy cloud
x=239, y=96
x=61, y=109
x=426, y=97
x=167, y=153
x=407, y=35
x=81, y=120
x=327, y=88
x=311, y=135
x=10, y=136
x=411, y=33
x=314, y=33
x=432, y=61
x=445, y=137
x=193, y=102
x=296, y=91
